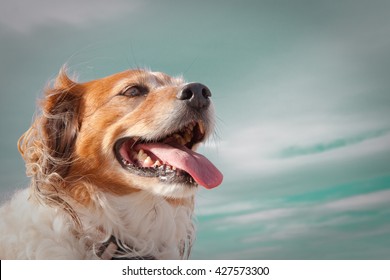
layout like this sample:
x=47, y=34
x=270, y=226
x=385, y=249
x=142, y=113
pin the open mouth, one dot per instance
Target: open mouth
x=171, y=158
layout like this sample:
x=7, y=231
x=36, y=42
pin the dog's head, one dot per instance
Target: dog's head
x=135, y=130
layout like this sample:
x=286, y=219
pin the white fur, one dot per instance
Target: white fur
x=29, y=230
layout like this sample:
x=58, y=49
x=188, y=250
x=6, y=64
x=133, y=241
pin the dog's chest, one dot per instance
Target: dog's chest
x=149, y=224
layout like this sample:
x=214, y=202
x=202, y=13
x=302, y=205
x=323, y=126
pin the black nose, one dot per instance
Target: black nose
x=195, y=95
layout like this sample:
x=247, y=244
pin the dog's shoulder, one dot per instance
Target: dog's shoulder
x=30, y=230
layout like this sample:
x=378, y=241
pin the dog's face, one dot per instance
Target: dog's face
x=135, y=130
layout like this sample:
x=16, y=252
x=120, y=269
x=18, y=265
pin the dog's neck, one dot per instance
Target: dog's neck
x=146, y=224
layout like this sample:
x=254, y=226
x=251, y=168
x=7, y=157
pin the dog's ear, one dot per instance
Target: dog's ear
x=61, y=122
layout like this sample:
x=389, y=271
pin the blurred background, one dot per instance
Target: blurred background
x=302, y=95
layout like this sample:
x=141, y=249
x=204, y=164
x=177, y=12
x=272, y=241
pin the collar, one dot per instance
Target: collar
x=110, y=250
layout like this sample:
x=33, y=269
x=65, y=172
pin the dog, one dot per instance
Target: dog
x=113, y=170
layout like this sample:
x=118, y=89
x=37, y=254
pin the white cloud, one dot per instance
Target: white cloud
x=257, y=148
x=24, y=15
x=359, y=202
x=353, y=203
x=263, y=215
x=308, y=221
x=205, y=210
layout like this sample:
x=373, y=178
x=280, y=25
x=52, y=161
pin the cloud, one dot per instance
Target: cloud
x=359, y=202
x=280, y=145
x=294, y=151
x=212, y=209
x=24, y=15
x=318, y=225
x=262, y=215
x=353, y=203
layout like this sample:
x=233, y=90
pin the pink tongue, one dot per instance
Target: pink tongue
x=198, y=166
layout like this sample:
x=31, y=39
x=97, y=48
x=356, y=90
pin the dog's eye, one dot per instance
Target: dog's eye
x=134, y=91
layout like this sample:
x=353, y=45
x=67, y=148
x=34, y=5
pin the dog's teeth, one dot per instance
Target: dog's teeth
x=148, y=162
x=141, y=155
x=201, y=127
x=187, y=137
x=179, y=139
x=173, y=168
